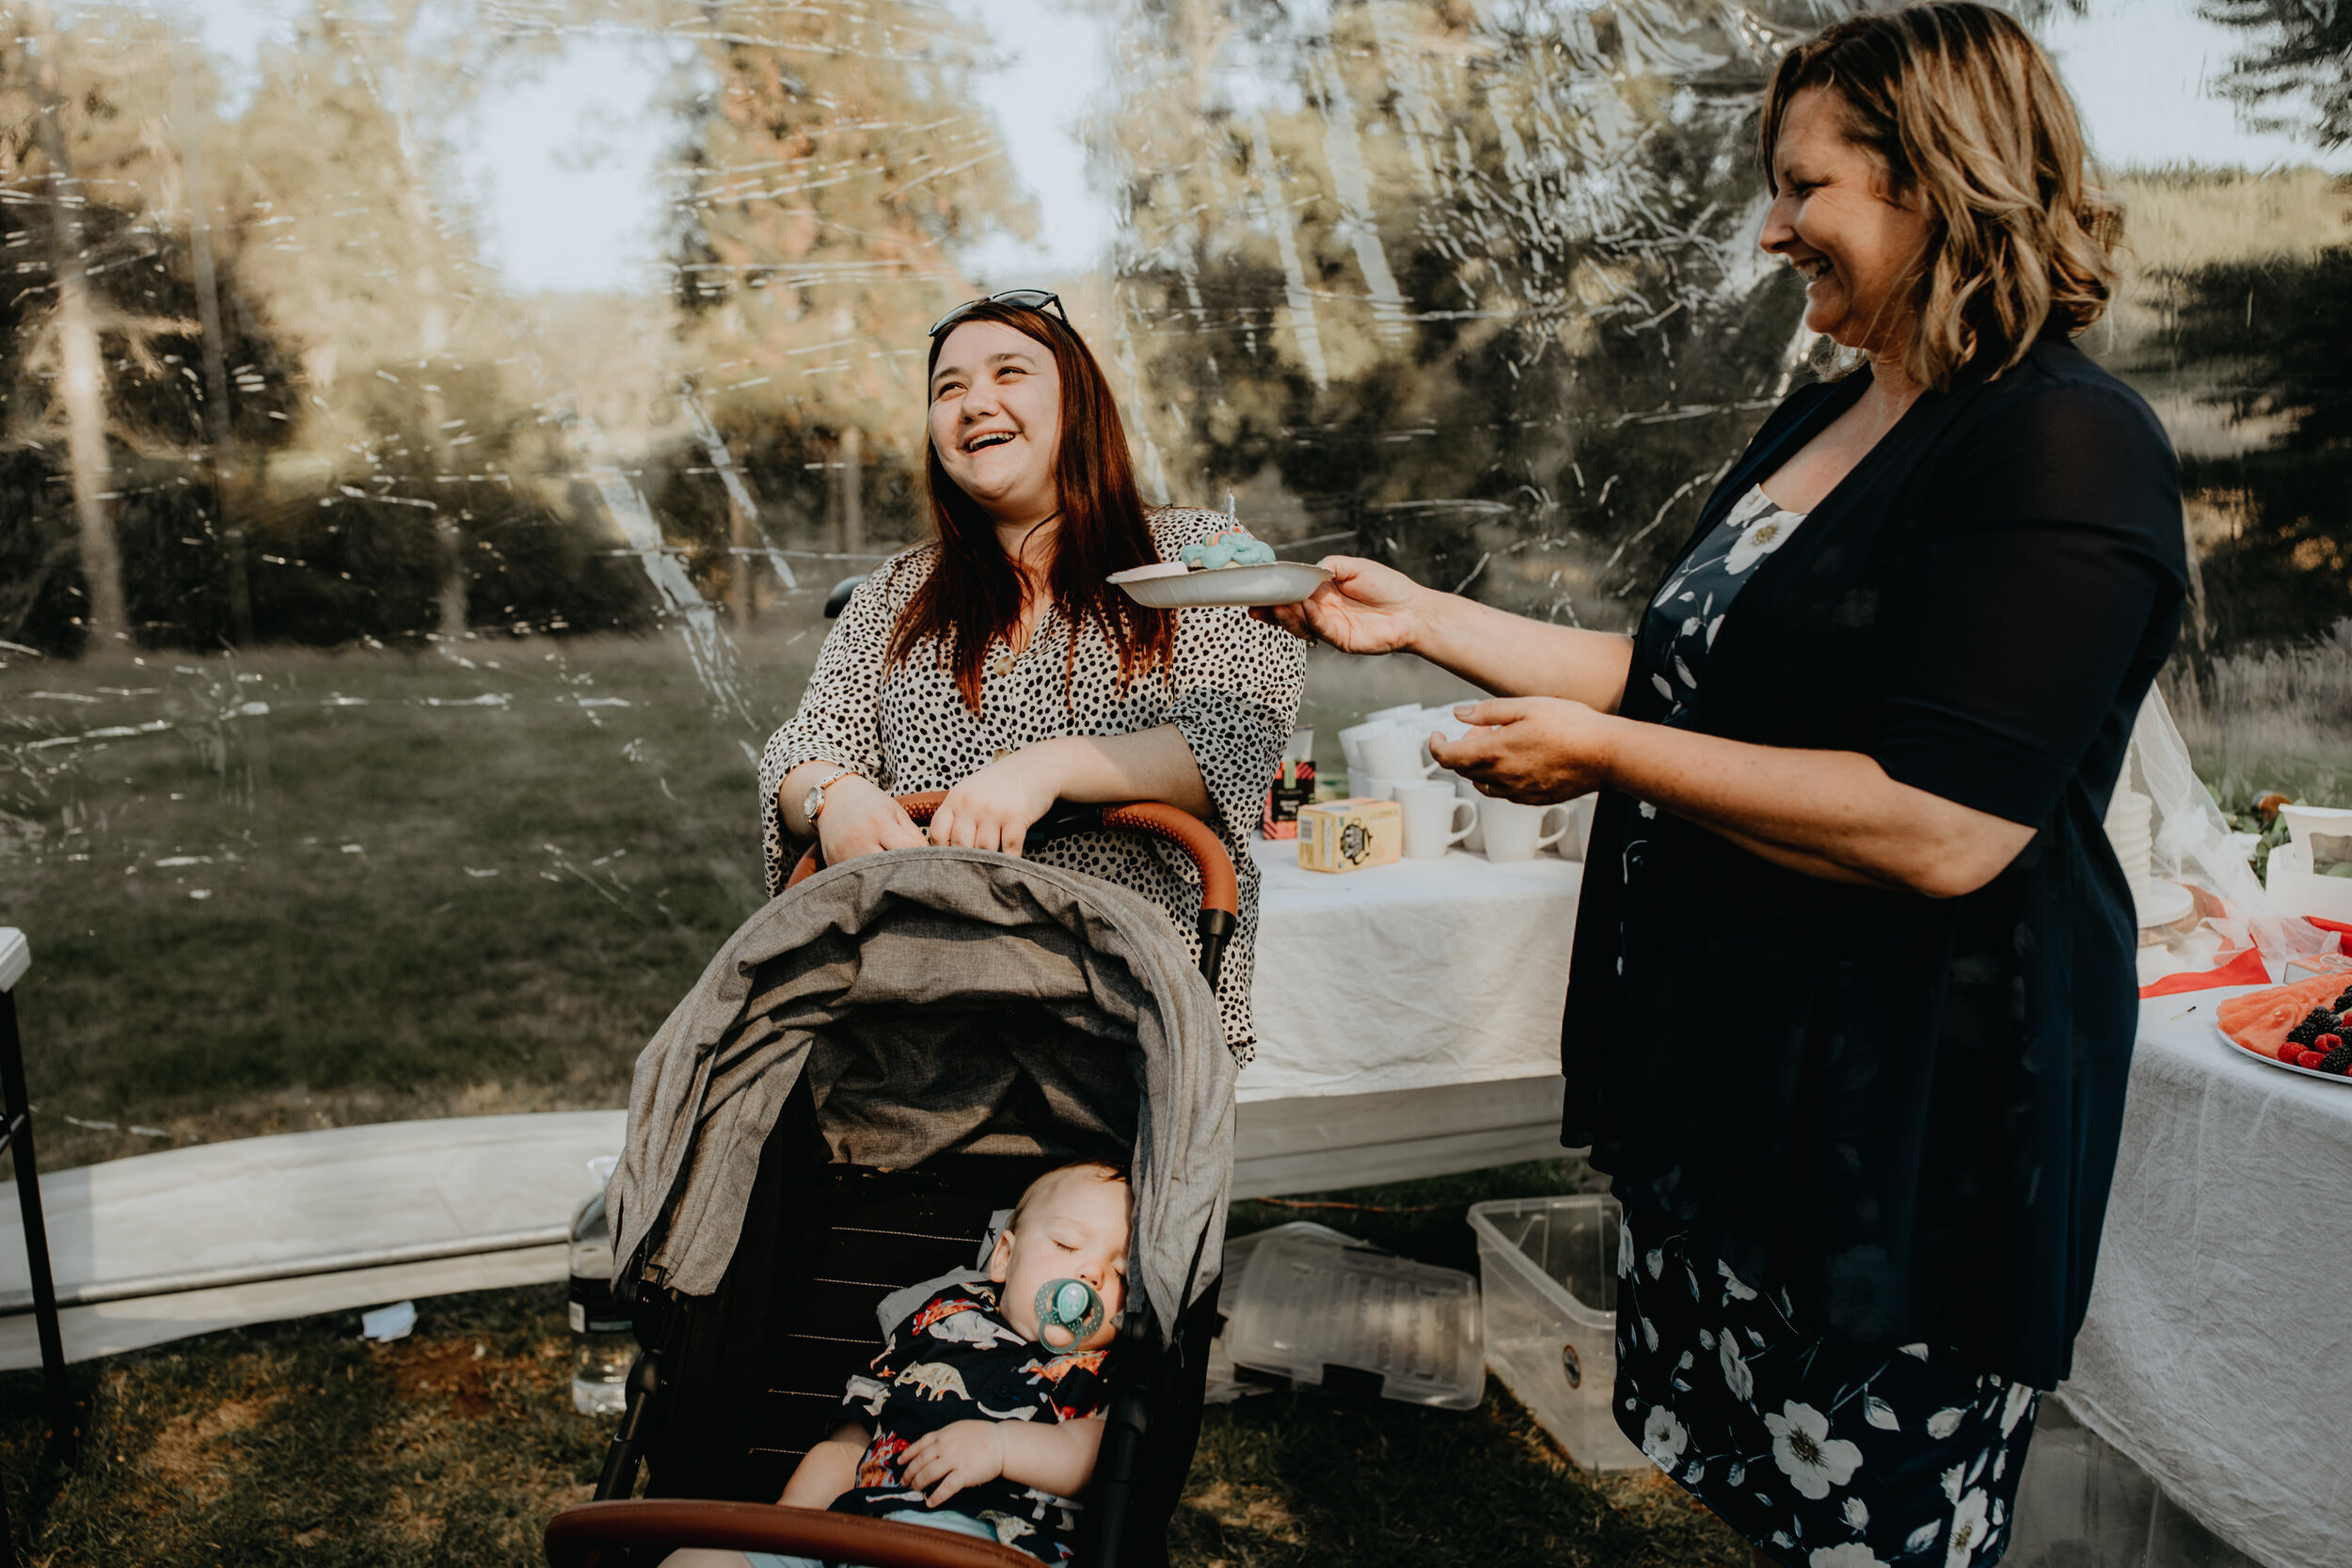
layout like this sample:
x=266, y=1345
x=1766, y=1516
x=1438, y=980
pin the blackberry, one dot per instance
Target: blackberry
x=2318, y=1022
x=2343, y=1003
x=2336, y=1060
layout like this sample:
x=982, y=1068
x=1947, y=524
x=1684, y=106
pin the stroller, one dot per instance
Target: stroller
x=864, y=1079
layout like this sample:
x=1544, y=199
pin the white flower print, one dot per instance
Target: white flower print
x=1734, y=1290
x=1880, y=1414
x=1969, y=1529
x=1945, y=1422
x=1853, y=1553
x=1922, y=1538
x=1654, y=1260
x=2013, y=1409
x=1858, y=1514
x=1919, y=1350
x=1760, y=539
x=1649, y=1335
x=1737, y=1377
x=1663, y=690
x=1811, y=1459
x=1625, y=1248
x=1663, y=1438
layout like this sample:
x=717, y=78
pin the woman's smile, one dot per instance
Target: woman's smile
x=1832, y=219
x=995, y=420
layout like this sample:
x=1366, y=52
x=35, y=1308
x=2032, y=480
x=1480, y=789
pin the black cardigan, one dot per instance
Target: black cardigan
x=1903, y=1110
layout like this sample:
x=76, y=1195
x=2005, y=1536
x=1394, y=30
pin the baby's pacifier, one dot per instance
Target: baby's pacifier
x=1070, y=1308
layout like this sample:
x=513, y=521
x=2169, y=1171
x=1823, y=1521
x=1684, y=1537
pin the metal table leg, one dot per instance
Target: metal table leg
x=16, y=1134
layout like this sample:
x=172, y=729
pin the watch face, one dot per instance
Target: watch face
x=813, y=802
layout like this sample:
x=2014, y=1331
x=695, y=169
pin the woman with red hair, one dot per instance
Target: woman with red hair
x=993, y=660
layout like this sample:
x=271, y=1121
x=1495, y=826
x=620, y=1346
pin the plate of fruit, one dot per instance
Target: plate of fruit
x=2305, y=1027
x=1228, y=567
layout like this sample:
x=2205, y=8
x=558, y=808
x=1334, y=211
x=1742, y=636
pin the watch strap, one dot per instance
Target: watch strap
x=823, y=784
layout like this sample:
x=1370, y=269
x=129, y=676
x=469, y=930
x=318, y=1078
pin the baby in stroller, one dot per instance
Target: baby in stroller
x=988, y=1395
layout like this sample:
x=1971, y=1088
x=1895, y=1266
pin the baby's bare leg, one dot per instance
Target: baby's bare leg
x=705, y=1557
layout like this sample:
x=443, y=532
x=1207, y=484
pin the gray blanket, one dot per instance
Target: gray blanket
x=938, y=1000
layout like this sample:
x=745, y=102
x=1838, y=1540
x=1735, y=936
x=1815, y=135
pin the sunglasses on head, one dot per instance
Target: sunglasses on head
x=1029, y=299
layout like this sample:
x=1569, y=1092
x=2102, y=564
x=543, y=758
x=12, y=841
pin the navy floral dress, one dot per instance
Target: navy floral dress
x=1823, y=1453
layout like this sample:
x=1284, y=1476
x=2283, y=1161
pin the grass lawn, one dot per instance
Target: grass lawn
x=308, y=889
x=299, y=889
x=297, y=1443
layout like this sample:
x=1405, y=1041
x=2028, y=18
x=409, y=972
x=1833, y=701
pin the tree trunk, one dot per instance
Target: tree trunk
x=82, y=366
x=220, y=434
x=851, y=475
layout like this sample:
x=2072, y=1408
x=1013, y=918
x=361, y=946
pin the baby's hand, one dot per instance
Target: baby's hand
x=964, y=1453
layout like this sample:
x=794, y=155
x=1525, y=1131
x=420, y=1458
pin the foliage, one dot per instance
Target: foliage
x=2300, y=65
x=2272, y=331
x=1538, y=357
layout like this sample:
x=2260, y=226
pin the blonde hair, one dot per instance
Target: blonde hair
x=1967, y=116
x=1102, y=1170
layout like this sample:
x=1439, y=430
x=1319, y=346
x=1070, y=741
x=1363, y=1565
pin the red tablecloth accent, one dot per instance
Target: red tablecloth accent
x=2247, y=968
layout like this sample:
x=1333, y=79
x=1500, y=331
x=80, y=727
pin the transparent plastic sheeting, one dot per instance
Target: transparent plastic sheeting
x=430, y=427
x=2194, y=847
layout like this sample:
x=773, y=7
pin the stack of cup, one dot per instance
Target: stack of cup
x=1388, y=759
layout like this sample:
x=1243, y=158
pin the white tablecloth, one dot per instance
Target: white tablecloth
x=1409, y=975
x=2218, y=1350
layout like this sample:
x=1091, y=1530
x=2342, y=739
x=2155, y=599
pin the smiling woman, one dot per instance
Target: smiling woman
x=996, y=663
x=1853, y=995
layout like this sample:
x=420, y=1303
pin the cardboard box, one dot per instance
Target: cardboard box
x=1349, y=836
x=1294, y=786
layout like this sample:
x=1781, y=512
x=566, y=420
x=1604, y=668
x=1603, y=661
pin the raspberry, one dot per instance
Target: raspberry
x=2338, y=1061
x=2289, y=1051
x=2309, y=1058
x=2326, y=1043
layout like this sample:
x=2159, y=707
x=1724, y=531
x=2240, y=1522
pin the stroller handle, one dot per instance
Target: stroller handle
x=587, y=1535
x=1221, y=890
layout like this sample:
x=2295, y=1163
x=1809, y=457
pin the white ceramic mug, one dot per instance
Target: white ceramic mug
x=1365, y=786
x=1394, y=753
x=1515, y=832
x=1476, y=841
x=1571, y=847
x=1434, y=818
x=1352, y=748
x=1405, y=712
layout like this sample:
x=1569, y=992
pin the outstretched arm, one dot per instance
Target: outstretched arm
x=1833, y=814
x=1370, y=608
x=1056, y=1458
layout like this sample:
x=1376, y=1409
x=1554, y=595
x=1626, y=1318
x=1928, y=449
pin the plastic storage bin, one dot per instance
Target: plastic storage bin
x=1548, y=1271
x=1307, y=1305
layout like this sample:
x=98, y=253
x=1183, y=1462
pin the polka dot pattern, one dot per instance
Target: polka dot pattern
x=1233, y=692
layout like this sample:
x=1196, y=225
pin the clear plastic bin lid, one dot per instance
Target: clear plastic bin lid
x=1305, y=1303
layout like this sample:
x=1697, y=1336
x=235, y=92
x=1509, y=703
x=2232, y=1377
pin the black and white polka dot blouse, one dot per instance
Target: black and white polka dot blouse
x=1233, y=692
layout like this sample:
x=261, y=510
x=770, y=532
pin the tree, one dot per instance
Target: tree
x=2304, y=66
x=1479, y=285
x=832, y=174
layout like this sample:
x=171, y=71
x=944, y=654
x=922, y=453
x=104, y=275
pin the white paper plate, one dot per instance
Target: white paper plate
x=1283, y=583
x=2282, y=1066
x=2157, y=904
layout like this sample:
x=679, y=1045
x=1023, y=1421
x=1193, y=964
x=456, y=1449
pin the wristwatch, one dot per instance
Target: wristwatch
x=814, y=801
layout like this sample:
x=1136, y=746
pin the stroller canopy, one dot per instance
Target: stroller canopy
x=936, y=1002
